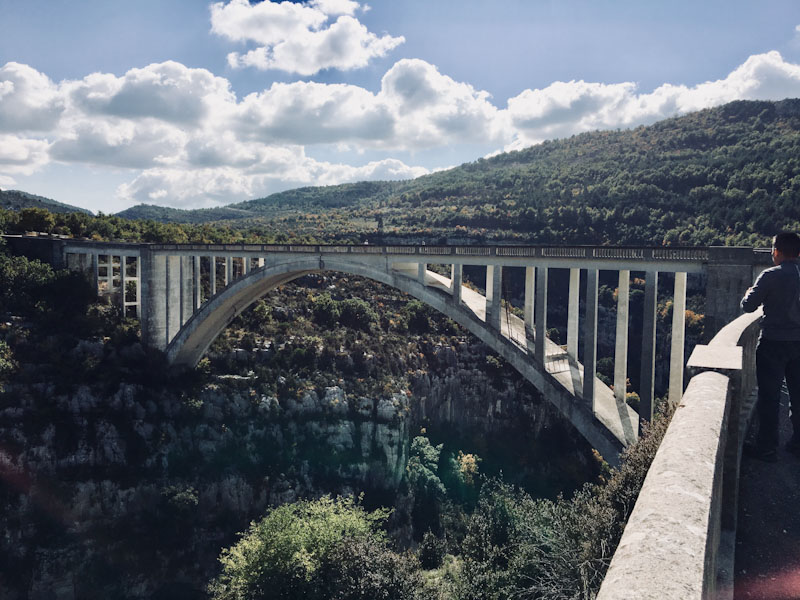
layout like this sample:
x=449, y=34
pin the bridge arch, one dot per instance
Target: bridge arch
x=197, y=334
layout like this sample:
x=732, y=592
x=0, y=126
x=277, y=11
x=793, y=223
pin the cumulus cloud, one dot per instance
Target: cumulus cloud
x=432, y=109
x=21, y=156
x=29, y=101
x=299, y=37
x=566, y=108
x=188, y=140
x=213, y=186
x=314, y=113
x=167, y=91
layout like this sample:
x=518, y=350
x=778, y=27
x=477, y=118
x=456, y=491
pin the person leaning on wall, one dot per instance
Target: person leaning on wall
x=778, y=351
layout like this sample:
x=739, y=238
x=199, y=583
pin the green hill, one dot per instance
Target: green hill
x=17, y=200
x=176, y=215
x=730, y=174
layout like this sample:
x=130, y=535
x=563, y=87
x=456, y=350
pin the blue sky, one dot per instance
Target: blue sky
x=107, y=104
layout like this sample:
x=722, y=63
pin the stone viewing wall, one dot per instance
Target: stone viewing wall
x=678, y=543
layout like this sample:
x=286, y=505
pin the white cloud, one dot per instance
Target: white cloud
x=202, y=188
x=433, y=110
x=297, y=37
x=315, y=113
x=187, y=140
x=563, y=109
x=20, y=155
x=29, y=101
x=166, y=91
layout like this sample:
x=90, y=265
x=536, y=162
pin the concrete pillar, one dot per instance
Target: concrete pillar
x=109, y=274
x=123, y=279
x=96, y=273
x=245, y=265
x=187, y=284
x=494, y=282
x=197, y=289
x=456, y=280
x=647, y=379
x=678, y=338
x=138, y=299
x=590, y=338
x=153, y=278
x=228, y=270
x=573, y=312
x=173, y=296
x=621, y=340
x=260, y=262
x=213, y=273
x=530, y=290
x=540, y=317
x=422, y=268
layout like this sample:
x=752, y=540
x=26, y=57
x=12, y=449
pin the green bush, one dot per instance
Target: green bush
x=326, y=310
x=314, y=549
x=431, y=551
x=357, y=314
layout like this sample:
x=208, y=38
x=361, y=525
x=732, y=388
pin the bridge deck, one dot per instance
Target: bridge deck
x=620, y=419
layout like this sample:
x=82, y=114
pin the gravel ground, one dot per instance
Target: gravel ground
x=768, y=532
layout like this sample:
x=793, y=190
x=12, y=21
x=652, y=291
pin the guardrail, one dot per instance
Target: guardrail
x=678, y=542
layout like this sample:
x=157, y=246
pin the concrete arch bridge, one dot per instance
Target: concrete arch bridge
x=185, y=295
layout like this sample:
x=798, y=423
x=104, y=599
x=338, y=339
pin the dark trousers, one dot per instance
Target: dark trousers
x=776, y=360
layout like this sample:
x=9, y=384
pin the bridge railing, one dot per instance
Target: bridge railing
x=695, y=254
x=679, y=541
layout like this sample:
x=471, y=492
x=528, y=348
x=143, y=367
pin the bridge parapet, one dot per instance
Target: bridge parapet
x=679, y=541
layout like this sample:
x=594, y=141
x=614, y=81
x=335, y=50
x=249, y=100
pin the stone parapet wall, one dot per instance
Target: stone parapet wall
x=677, y=543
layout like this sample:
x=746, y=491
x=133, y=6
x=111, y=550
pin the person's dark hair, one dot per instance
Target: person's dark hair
x=787, y=243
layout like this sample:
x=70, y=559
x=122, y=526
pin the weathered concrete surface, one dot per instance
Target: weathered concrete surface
x=663, y=551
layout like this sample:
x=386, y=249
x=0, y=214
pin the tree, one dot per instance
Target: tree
x=326, y=548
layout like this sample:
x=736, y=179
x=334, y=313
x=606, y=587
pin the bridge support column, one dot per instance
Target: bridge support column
x=123, y=280
x=153, y=299
x=422, y=268
x=456, y=280
x=228, y=270
x=212, y=273
x=197, y=298
x=245, y=265
x=96, y=273
x=647, y=379
x=676, y=361
x=494, y=282
x=530, y=290
x=573, y=312
x=590, y=338
x=187, y=285
x=260, y=262
x=621, y=341
x=173, y=296
x=540, y=318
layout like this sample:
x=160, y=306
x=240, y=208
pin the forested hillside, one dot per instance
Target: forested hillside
x=16, y=200
x=727, y=175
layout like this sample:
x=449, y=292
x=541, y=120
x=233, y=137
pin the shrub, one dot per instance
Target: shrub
x=357, y=314
x=298, y=549
x=431, y=551
x=326, y=310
